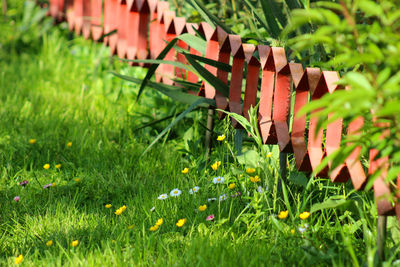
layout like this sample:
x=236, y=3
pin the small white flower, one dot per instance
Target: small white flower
x=260, y=189
x=211, y=199
x=218, y=180
x=194, y=190
x=223, y=197
x=302, y=229
x=153, y=208
x=163, y=196
x=175, y=192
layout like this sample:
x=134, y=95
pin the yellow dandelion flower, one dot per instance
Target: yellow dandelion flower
x=108, y=206
x=203, y=207
x=69, y=144
x=181, y=222
x=185, y=170
x=232, y=186
x=74, y=243
x=77, y=180
x=154, y=228
x=304, y=215
x=292, y=231
x=159, y=221
x=130, y=227
x=123, y=208
x=255, y=179
x=49, y=243
x=221, y=137
x=118, y=211
x=250, y=170
x=58, y=166
x=216, y=165
x=46, y=166
x=283, y=214
x=19, y=259
x=32, y=141
x=269, y=154
x=53, y=184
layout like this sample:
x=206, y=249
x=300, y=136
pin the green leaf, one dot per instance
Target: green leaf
x=293, y=4
x=154, y=67
x=370, y=8
x=356, y=79
x=250, y=158
x=330, y=203
x=159, y=61
x=271, y=12
x=329, y=5
x=188, y=85
x=154, y=122
x=207, y=76
x=107, y=34
x=259, y=17
x=286, y=198
x=298, y=178
x=179, y=118
x=383, y=76
x=217, y=64
x=276, y=223
x=241, y=120
x=193, y=41
x=174, y=92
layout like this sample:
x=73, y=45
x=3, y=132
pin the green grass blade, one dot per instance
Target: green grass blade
x=188, y=85
x=174, y=92
x=155, y=122
x=272, y=12
x=286, y=198
x=158, y=61
x=210, y=18
x=259, y=17
x=193, y=41
x=211, y=79
x=217, y=64
x=107, y=34
x=154, y=67
x=179, y=118
x=293, y=4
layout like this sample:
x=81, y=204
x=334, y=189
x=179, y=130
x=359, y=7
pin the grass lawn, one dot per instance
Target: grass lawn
x=59, y=104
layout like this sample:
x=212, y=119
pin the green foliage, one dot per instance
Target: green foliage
x=26, y=27
x=363, y=43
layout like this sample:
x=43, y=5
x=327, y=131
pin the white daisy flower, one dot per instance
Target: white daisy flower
x=163, y=196
x=175, y=192
x=194, y=190
x=211, y=199
x=219, y=180
x=223, y=197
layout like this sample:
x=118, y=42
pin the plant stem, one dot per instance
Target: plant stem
x=210, y=127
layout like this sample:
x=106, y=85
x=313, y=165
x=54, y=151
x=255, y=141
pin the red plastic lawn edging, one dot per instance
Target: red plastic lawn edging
x=143, y=26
